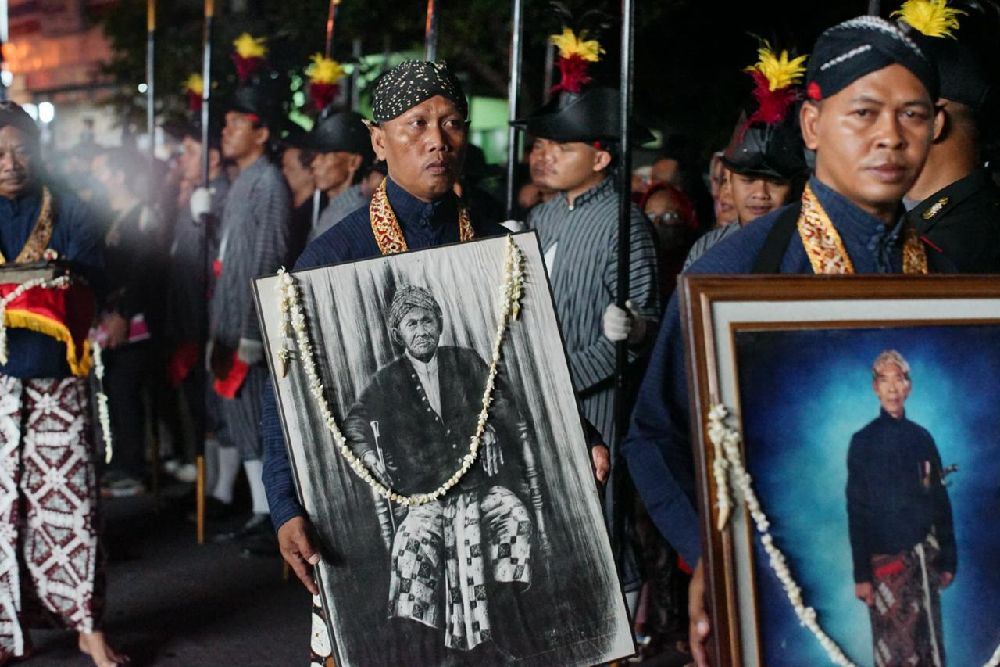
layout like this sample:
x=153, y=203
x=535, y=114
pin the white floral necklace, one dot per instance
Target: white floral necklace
x=726, y=443
x=295, y=328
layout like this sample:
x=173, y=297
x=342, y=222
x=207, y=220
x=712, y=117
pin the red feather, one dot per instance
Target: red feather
x=245, y=67
x=573, y=74
x=322, y=94
x=773, y=105
x=194, y=101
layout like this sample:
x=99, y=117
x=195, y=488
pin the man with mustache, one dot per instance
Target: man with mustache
x=870, y=117
x=48, y=493
x=420, y=128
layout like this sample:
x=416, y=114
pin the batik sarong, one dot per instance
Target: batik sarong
x=48, y=548
x=906, y=616
x=455, y=538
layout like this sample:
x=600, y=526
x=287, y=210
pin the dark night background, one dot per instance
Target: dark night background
x=689, y=54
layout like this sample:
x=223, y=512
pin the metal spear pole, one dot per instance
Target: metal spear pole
x=206, y=98
x=4, y=36
x=617, y=483
x=431, y=31
x=331, y=18
x=151, y=191
x=513, y=133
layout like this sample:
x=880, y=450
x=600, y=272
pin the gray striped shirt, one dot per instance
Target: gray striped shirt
x=255, y=227
x=347, y=202
x=584, y=278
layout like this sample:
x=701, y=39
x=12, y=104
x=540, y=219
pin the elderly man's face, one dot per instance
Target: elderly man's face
x=17, y=155
x=424, y=147
x=871, y=138
x=420, y=330
x=892, y=388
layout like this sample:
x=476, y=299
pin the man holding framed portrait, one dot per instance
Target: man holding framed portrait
x=870, y=118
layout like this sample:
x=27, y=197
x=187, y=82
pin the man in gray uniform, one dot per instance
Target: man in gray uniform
x=343, y=158
x=255, y=230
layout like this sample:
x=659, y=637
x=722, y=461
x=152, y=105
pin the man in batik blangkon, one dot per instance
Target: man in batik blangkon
x=450, y=558
x=50, y=566
x=900, y=522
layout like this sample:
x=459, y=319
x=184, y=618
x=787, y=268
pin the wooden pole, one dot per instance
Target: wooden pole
x=513, y=133
x=431, y=31
x=331, y=18
x=206, y=99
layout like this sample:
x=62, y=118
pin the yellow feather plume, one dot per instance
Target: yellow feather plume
x=779, y=71
x=571, y=45
x=324, y=70
x=248, y=46
x=194, y=84
x=934, y=18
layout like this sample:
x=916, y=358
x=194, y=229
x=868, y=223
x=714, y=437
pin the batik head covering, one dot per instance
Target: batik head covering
x=414, y=81
x=856, y=48
x=407, y=298
x=14, y=115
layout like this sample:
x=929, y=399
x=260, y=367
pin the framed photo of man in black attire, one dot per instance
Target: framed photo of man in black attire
x=512, y=564
x=866, y=414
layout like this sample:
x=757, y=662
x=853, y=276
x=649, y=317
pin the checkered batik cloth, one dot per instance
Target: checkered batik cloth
x=47, y=508
x=452, y=530
x=906, y=616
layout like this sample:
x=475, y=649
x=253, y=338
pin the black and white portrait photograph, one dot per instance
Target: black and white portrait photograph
x=509, y=563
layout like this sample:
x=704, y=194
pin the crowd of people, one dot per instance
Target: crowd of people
x=872, y=164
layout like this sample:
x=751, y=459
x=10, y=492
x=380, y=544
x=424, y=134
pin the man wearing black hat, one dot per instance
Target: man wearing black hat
x=578, y=135
x=870, y=118
x=343, y=155
x=255, y=230
x=954, y=203
x=48, y=493
x=765, y=156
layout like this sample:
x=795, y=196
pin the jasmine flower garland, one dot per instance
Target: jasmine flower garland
x=295, y=328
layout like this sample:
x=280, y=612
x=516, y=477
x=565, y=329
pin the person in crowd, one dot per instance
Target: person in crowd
x=307, y=201
x=343, y=157
x=255, y=230
x=765, y=166
x=718, y=186
x=870, y=118
x=676, y=224
x=192, y=278
x=124, y=328
x=535, y=191
x=954, y=203
x=48, y=501
x=419, y=117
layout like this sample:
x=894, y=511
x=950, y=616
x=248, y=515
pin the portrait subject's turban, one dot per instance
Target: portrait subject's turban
x=407, y=298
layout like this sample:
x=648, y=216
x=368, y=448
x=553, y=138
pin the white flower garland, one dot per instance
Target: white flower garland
x=61, y=281
x=103, y=413
x=726, y=441
x=294, y=326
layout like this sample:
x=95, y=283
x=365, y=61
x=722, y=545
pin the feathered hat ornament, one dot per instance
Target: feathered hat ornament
x=933, y=18
x=194, y=87
x=775, y=77
x=249, y=55
x=576, y=53
x=324, y=80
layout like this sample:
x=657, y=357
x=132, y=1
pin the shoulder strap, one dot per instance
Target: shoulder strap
x=768, y=260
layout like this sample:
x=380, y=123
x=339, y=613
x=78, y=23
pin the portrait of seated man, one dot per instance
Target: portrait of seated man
x=900, y=524
x=457, y=563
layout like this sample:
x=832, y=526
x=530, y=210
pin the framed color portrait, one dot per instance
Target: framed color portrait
x=864, y=410
x=508, y=565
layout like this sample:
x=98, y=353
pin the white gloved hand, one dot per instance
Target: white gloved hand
x=201, y=203
x=623, y=324
x=250, y=351
x=514, y=225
